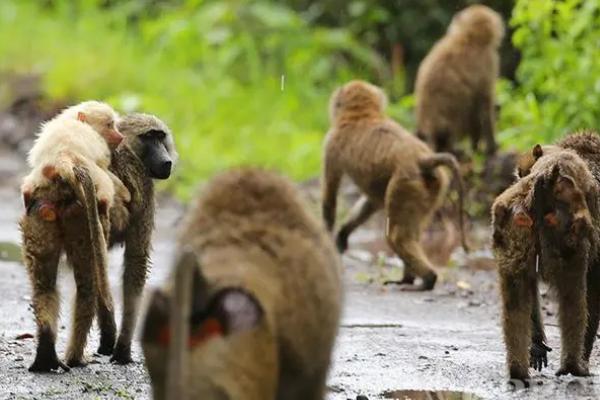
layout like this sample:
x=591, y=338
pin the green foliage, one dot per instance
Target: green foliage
x=559, y=74
x=212, y=69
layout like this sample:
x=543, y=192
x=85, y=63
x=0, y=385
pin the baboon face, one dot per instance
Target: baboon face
x=152, y=141
x=155, y=155
x=478, y=23
x=103, y=119
x=356, y=95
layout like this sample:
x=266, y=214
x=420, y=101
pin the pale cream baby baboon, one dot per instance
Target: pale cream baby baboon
x=80, y=135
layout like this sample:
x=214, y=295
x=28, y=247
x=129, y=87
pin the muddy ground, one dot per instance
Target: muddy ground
x=448, y=339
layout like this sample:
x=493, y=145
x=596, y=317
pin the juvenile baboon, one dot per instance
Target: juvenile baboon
x=454, y=88
x=79, y=136
x=546, y=227
x=394, y=170
x=526, y=160
x=266, y=296
x=57, y=218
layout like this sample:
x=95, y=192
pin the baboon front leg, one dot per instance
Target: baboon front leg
x=137, y=254
x=572, y=316
x=538, y=353
x=81, y=256
x=486, y=111
x=41, y=252
x=516, y=321
x=332, y=178
x=362, y=210
x=593, y=304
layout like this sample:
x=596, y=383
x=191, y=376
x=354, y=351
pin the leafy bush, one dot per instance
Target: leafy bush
x=559, y=74
x=240, y=82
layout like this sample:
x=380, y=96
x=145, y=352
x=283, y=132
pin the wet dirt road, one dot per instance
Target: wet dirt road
x=449, y=339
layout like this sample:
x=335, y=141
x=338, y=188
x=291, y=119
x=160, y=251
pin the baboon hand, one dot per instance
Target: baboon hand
x=47, y=365
x=538, y=355
x=575, y=369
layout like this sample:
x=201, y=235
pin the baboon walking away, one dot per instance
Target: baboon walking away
x=394, y=170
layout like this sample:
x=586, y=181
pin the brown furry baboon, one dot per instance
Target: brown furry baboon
x=395, y=171
x=265, y=303
x=546, y=227
x=147, y=153
x=56, y=219
x=454, y=88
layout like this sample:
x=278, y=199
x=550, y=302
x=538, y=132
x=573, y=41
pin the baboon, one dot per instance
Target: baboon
x=394, y=170
x=454, y=88
x=79, y=136
x=526, y=160
x=147, y=153
x=546, y=227
x=57, y=217
x=265, y=303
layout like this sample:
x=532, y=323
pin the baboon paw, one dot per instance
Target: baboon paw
x=47, y=365
x=519, y=383
x=575, y=370
x=341, y=243
x=76, y=363
x=121, y=355
x=538, y=355
x=105, y=349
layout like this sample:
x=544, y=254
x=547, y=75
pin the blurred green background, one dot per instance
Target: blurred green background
x=247, y=82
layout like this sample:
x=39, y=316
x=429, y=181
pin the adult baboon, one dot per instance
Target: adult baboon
x=265, y=298
x=546, y=226
x=394, y=170
x=454, y=88
x=145, y=153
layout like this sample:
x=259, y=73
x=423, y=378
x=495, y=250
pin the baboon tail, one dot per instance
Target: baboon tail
x=428, y=164
x=85, y=192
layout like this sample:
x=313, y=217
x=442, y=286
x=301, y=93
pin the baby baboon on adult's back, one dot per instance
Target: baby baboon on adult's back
x=551, y=215
x=395, y=171
x=454, y=89
x=266, y=297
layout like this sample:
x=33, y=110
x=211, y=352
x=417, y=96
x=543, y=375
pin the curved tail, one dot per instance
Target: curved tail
x=427, y=166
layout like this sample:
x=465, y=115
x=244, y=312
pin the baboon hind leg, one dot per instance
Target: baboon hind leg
x=362, y=210
x=593, y=304
x=516, y=321
x=41, y=252
x=572, y=316
x=81, y=256
x=137, y=254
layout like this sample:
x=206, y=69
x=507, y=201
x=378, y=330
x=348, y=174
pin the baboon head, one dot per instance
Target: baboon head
x=152, y=141
x=99, y=116
x=355, y=97
x=478, y=24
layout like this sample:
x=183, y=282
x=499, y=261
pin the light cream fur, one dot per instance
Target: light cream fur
x=65, y=141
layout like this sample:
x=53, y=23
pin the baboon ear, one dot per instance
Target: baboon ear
x=81, y=116
x=537, y=151
x=156, y=325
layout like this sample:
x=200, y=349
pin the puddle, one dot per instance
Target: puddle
x=429, y=395
x=10, y=251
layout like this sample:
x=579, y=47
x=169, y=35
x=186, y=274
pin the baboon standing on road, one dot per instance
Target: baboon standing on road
x=454, y=89
x=395, y=171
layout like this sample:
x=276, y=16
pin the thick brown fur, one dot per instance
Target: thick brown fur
x=267, y=279
x=526, y=159
x=454, y=88
x=131, y=225
x=57, y=214
x=394, y=170
x=551, y=216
